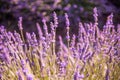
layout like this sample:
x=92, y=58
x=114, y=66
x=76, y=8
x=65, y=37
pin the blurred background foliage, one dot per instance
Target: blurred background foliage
x=34, y=11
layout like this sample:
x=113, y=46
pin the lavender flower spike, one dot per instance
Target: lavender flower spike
x=67, y=20
x=55, y=19
x=67, y=24
x=39, y=31
x=30, y=77
x=45, y=27
x=20, y=23
x=95, y=14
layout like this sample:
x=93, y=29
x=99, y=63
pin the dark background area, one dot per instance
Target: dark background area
x=34, y=11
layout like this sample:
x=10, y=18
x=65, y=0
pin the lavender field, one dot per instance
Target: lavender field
x=92, y=54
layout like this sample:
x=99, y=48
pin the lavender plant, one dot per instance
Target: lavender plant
x=93, y=54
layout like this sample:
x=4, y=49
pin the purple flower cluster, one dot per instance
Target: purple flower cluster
x=32, y=57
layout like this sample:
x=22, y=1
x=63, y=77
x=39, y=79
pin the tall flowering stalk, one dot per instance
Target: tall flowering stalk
x=91, y=55
x=21, y=27
x=67, y=28
x=53, y=31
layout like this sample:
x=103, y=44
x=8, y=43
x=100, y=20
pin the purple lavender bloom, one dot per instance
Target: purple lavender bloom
x=2, y=57
x=17, y=37
x=52, y=29
x=45, y=27
x=95, y=14
x=67, y=20
x=40, y=33
x=63, y=64
x=87, y=55
x=29, y=39
x=30, y=77
x=55, y=19
x=34, y=39
x=5, y=55
x=25, y=71
x=20, y=23
x=62, y=68
x=19, y=75
x=2, y=29
x=77, y=76
x=110, y=19
x=73, y=41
